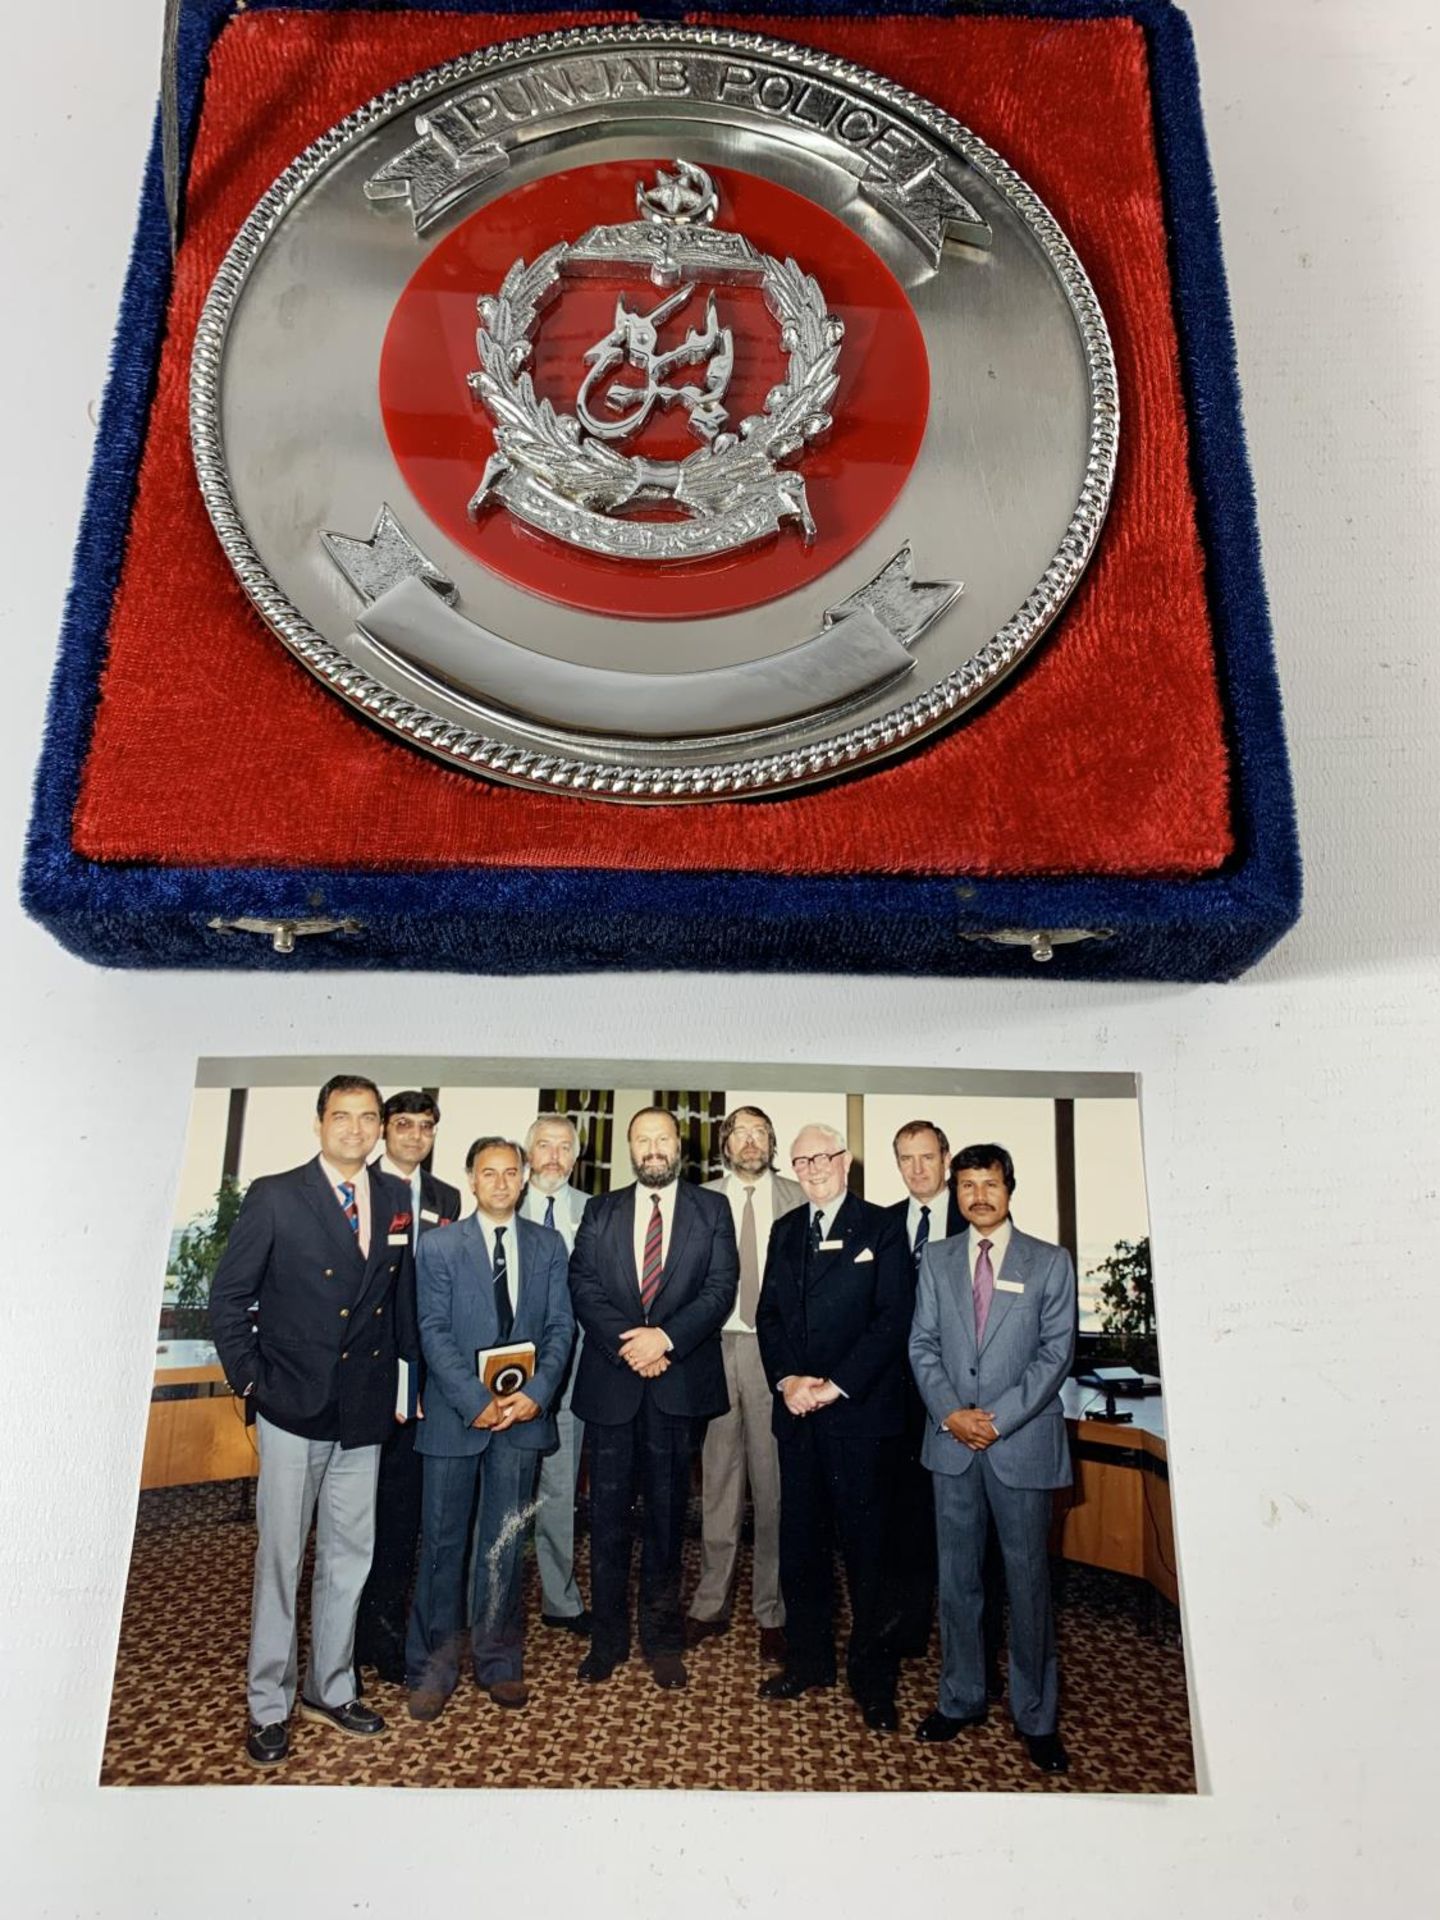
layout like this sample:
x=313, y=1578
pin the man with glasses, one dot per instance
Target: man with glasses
x=410, y=1120
x=833, y=1320
x=552, y=1147
x=740, y=1445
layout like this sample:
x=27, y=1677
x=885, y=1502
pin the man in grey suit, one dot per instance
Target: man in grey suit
x=490, y=1281
x=740, y=1445
x=992, y=1341
x=551, y=1148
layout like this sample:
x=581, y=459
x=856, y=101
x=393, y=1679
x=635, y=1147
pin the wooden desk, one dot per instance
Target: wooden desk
x=1117, y=1514
x=202, y=1436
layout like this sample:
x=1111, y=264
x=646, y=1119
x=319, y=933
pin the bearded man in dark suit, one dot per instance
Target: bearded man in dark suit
x=311, y=1304
x=653, y=1278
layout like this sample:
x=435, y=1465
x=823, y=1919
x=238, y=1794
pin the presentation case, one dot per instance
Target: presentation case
x=1121, y=810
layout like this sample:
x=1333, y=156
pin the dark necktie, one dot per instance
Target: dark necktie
x=749, y=1261
x=812, y=1245
x=922, y=1233
x=348, y=1205
x=504, y=1311
x=651, y=1264
x=984, y=1289
x=549, y=1220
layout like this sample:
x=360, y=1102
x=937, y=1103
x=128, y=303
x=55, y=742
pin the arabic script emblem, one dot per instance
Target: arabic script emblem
x=566, y=473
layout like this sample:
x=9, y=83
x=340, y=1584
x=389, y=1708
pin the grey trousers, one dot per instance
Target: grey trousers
x=555, y=1517
x=301, y=1481
x=1022, y=1525
x=740, y=1448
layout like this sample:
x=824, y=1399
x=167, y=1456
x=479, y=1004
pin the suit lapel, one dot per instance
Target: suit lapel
x=682, y=1226
x=1013, y=1267
x=622, y=1233
x=326, y=1203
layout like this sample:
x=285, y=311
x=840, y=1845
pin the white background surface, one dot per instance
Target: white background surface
x=1290, y=1130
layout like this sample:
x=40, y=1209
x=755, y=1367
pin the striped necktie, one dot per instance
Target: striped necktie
x=653, y=1260
x=348, y=1205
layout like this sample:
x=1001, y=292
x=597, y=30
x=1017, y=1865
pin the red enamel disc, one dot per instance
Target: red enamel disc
x=442, y=437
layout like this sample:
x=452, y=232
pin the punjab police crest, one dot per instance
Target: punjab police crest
x=655, y=413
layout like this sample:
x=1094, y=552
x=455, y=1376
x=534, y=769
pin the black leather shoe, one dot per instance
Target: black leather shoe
x=267, y=1746
x=568, y=1622
x=938, y=1726
x=668, y=1670
x=594, y=1669
x=789, y=1686
x=353, y=1717
x=697, y=1631
x=1047, y=1753
x=881, y=1717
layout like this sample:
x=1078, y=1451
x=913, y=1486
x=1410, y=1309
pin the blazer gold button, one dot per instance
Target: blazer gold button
x=345, y=1356
x=329, y=1273
x=344, y=1313
x=378, y=1312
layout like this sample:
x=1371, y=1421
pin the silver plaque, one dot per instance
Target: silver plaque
x=586, y=546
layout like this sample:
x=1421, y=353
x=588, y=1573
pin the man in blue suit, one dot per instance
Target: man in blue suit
x=992, y=1341
x=493, y=1280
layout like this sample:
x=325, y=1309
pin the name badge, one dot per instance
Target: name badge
x=398, y=1240
x=429, y=1213
x=830, y=1246
x=1009, y=1286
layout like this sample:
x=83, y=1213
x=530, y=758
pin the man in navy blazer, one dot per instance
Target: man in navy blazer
x=653, y=1278
x=992, y=1341
x=492, y=1281
x=832, y=1322
x=410, y=1120
x=310, y=1305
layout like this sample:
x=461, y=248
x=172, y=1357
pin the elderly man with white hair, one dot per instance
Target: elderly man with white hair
x=833, y=1321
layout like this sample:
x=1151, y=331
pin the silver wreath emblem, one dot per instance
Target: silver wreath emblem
x=562, y=473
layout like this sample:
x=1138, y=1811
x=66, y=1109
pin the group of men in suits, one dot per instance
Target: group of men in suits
x=855, y=1369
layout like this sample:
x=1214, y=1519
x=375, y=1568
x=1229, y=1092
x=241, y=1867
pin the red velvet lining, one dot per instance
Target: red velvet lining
x=213, y=747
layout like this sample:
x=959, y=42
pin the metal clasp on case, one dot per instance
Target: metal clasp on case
x=284, y=933
x=1042, y=942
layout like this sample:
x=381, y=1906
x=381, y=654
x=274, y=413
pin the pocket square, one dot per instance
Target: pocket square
x=864, y=1254
x=1009, y=1286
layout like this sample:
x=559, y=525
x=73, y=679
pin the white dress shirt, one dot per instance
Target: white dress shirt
x=643, y=1210
x=939, y=1204
x=512, y=1252
x=566, y=1220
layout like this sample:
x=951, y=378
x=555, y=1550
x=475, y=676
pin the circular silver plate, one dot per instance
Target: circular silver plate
x=815, y=653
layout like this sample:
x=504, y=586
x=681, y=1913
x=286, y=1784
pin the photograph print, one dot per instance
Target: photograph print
x=554, y=1423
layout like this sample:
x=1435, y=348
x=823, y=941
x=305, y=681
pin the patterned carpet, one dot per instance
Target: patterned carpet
x=178, y=1713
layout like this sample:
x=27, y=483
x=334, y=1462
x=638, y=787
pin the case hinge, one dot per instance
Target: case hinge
x=284, y=933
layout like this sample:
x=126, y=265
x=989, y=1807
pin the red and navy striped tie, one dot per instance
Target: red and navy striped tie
x=347, y=1202
x=652, y=1263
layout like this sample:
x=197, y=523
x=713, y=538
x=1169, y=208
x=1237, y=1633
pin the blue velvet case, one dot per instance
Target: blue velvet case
x=519, y=918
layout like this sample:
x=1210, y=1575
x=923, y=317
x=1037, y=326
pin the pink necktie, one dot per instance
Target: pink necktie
x=984, y=1286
